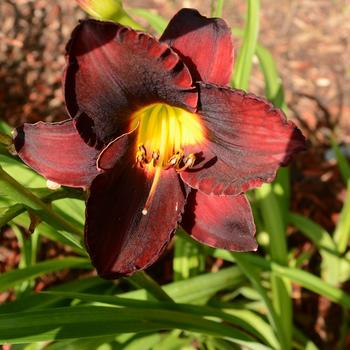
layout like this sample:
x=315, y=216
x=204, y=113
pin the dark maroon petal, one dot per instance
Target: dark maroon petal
x=220, y=221
x=113, y=71
x=120, y=236
x=247, y=139
x=205, y=45
x=57, y=152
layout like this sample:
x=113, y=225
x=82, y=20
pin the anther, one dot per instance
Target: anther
x=175, y=160
x=155, y=157
x=141, y=155
x=188, y=162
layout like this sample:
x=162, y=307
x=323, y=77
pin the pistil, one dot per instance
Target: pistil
x=163, y=133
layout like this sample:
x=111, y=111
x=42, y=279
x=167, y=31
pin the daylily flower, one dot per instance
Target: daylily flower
x=159, y=139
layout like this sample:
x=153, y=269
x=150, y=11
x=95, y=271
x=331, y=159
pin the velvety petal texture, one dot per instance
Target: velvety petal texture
x=116, y=150
x=220, y=221
x=247, y=139
x=121, y=237
x=57, y=152
x=148, y=162
x=205, y=45
x=113, y=71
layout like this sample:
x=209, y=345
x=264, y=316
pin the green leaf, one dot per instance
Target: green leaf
x=157, y=22
x=28, y=250
x=34, y=301
x=91, y=321
x=273, y=84
x=12, y=278
x=189, y=259
x=18, y=193
x=67, y=205
x=313, y=283
x=330, y=264
x=245, y=320
x=172, y=341
x=245, y=56
x=242, y=320
x=343, y=163
x=196, y=288
x=142, y=280
x=217, y=10
x=252, y=273
x=140, y=341
x=342, y=230
x=317, y=234
x=20, y=172
x=257, y=326
x=281, y=289
x=5, y=128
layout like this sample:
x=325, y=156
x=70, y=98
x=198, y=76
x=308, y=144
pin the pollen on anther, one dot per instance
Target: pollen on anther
x=144, y=211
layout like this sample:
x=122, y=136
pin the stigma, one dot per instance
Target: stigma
x=163, y=133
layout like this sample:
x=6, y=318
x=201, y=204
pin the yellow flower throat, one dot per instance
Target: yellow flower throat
x=163, y=132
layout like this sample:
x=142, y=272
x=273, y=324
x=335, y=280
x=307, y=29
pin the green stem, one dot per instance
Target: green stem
x=10, y=187
x=143, y=280
x=13, y=211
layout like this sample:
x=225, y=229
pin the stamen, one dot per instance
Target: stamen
x=141, y=155
x=188, y=162
x=163, y=131
x=175, y=160
x=155, y=158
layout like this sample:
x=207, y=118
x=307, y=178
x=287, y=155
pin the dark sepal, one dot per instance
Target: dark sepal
x=57, y=152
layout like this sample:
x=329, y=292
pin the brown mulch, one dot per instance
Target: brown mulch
x=310, y=42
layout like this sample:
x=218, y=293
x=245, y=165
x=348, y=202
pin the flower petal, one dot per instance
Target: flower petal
x=113, y=71
x=57, y=152
x=205, y=45
x=121, y=237
x=247, y=139
x=220, y=221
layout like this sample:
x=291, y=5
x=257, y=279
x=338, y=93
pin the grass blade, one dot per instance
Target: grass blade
x=91, y=321
x=142, y=280
x=11, y=278
x=10, y=187
x=343, y=163
x=157, y=22
x=342, y=231
x=250, y=37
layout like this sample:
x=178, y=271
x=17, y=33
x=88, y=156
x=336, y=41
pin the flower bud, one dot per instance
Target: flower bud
x=103, y=9
x=110, y=10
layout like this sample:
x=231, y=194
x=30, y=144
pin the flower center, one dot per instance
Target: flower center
x=163, y=132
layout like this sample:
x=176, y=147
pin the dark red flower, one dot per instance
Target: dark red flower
x=159, y=140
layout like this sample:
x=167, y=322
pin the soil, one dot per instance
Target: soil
x=310, y=41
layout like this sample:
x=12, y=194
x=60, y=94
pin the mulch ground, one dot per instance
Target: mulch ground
x=310, y=42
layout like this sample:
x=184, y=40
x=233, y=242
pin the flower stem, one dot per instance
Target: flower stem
x=142, y=280
x=14, y=190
